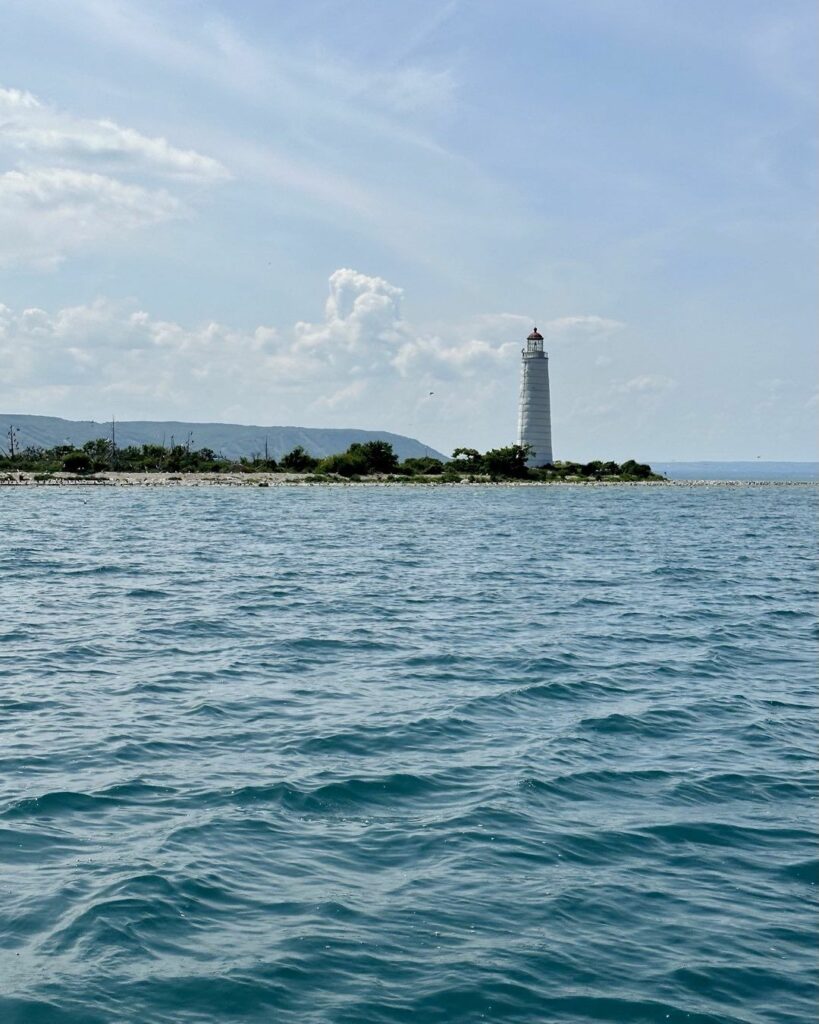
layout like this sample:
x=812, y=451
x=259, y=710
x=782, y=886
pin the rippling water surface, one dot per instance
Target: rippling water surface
x=385, y=755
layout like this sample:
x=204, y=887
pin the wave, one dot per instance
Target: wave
x=370, y=756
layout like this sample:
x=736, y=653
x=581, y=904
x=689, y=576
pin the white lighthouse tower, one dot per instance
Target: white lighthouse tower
x=535, y=418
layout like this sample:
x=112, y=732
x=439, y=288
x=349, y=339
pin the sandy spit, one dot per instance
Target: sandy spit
x=15, y=479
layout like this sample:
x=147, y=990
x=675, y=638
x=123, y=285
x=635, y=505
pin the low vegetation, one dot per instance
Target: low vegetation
x=372, y=458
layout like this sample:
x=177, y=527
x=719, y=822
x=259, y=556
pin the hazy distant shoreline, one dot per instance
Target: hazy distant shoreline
x=22, y=479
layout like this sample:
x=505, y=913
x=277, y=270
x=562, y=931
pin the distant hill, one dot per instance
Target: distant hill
x=229, y=439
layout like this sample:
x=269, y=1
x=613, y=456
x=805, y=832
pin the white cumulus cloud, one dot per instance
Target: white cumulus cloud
x=363, y=364
x=362, y=319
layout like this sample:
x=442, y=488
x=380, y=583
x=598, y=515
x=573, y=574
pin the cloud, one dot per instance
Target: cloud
x=327, y=134
x=363, y=364
x=78, y=183
x=318, y=80
x=47, y=213
x=588, y=326
x=648, y=384
x=31, y=128
x=413, y=89
x=511, y=328
x=12, y=100
x=362, y=318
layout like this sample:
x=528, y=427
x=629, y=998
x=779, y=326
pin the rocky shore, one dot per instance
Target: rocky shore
x=21, y=479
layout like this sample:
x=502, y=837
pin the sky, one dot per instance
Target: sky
x=350, y=213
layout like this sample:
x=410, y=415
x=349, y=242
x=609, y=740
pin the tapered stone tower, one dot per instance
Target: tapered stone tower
x=535, y=419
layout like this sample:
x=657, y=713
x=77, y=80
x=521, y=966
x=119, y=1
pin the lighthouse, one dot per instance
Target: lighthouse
x=535, y=417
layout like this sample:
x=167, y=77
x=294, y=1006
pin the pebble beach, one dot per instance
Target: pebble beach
x=307, y=480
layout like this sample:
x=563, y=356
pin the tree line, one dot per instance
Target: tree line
x=361, y=459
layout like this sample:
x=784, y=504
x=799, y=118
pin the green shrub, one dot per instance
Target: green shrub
x=77, y=462
x=298, y=461
x=509, y=462
x=426, y=465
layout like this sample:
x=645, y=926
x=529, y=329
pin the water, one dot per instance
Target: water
x=756, y=470
x=387, y=755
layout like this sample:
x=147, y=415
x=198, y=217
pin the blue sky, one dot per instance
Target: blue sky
x=350, y=214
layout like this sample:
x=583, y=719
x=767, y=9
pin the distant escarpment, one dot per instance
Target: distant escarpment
x=227, y=440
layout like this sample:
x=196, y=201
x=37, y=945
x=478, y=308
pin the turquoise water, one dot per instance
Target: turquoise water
x=387, y=755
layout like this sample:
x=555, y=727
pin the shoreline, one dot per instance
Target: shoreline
x=28, y=479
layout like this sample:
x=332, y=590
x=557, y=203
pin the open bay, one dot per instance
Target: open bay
x=314, y=754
